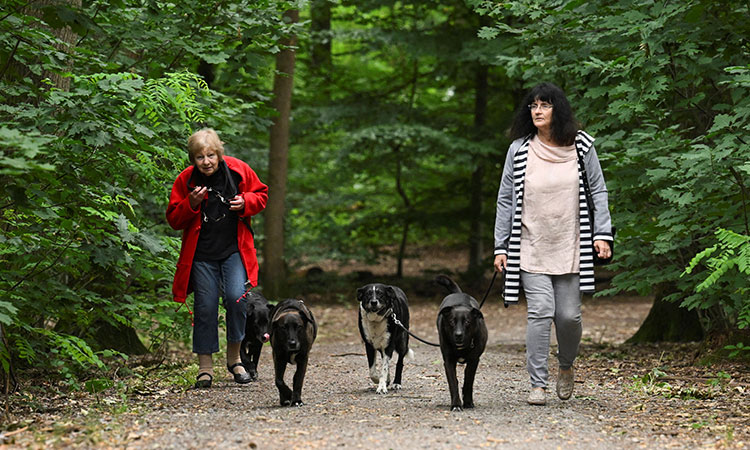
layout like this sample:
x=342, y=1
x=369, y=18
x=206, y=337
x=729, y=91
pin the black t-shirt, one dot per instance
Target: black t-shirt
x=218, y=236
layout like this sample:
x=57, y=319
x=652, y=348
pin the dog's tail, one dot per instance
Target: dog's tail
x=448, y=283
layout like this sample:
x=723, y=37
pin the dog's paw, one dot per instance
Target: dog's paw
x=396, y=387
x=382, y=389
x=253, y=376
x=456, y=408
x=286, y=402
x=297, y=403
x=468, y=404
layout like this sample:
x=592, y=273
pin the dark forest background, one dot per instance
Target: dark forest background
x=380, y=126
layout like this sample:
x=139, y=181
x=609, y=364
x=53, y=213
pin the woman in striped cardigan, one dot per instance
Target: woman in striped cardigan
x=543, y=234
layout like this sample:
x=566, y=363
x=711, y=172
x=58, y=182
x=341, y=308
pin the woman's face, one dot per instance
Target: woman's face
x=541, y=114
x=207, y=161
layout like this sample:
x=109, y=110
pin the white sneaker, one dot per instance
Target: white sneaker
x=537, y=396
x=565, y=383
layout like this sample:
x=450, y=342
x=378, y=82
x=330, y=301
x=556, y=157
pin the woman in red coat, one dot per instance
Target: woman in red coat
x=212, y=202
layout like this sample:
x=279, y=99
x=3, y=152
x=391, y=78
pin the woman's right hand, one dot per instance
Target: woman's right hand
x=196, y=196
x=501, y=262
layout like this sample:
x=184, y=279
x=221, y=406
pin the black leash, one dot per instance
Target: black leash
x=398, y=322
x=488, y=290
x=490, y=287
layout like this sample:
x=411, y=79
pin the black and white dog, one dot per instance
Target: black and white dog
x=463, y=337
x=256, y=332
x=379, y=304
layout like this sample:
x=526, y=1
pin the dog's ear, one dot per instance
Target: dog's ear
x=360, y=294
x=390, y=293
x=306, y=313
x=250, y=308
x=476, y=314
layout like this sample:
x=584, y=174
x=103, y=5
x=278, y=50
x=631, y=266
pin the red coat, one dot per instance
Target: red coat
x=182, y=217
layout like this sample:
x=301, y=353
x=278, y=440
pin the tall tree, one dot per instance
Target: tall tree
x=476, y=197
x=274, y=269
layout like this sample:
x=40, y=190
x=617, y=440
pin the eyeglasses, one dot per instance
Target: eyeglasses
x=543, y=106
x=219, y=196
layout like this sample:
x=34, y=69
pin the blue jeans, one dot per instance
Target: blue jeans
x=211, y=280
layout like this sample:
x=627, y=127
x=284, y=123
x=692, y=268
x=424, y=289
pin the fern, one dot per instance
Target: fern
x=176, y=93
x=181, y=91
x=728, y=269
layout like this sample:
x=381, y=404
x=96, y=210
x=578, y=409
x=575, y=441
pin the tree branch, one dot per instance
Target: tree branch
x=32, y=271
x=14, y=11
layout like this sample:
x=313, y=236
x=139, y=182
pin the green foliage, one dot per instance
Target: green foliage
x=650, y=384
x=728, y=273
x=90, y=141
x=653, y=383
x=399, y=95
x=738, y=350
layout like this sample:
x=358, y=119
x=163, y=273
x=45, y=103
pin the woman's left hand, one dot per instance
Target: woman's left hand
x=602, y=249
x=237, y=203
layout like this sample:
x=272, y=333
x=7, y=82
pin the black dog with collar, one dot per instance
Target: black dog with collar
x=463, y=337
x=377, y=304
x=293, y=331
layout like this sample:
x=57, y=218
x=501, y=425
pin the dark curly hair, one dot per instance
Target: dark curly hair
x=564, y=124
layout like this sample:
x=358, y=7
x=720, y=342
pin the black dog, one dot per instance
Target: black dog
x=463, y=336
x=378, y=305
x=256, y=332
x=293, y=331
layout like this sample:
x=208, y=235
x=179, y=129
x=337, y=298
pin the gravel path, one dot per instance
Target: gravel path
x=342, y=409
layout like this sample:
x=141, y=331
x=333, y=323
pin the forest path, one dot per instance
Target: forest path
x=342, y=409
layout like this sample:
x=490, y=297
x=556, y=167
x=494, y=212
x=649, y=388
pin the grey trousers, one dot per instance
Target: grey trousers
x=551, y=298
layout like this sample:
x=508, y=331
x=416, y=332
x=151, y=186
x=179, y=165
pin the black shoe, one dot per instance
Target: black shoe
x=202, y=384
x=241, y=378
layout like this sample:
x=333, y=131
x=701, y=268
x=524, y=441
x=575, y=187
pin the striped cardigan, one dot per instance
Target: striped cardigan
x=510, y=203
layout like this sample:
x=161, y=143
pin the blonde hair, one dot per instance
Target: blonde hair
x=205, y=138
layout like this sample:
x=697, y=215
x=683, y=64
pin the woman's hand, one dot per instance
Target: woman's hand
x=237, y=203
x=602, y=249
x=501, y=262
x=196, y=196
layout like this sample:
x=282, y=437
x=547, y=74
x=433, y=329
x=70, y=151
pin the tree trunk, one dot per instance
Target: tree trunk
x=320, y=25
x=407, y=215
x=122, y=338
x=208, y=72
x=65, y=35
x=17, y=70
x=668, y=322
x=273, y=248
x=475, y=204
